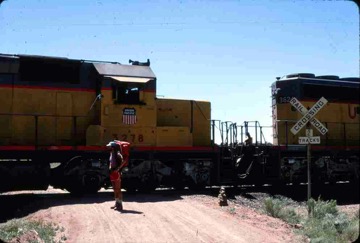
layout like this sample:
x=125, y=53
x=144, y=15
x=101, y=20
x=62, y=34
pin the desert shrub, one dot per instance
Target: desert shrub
x=272, y=207
x=326, y=224
x=277, y=208
x=17, y=227
x=351, y=232
x=321, y=208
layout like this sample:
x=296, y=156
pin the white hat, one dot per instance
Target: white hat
x=112, y=144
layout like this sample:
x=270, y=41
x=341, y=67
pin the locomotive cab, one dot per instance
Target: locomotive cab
x=130, y=111
x=126, y=110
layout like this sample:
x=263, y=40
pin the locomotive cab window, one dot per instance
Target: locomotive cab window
x=126, y=93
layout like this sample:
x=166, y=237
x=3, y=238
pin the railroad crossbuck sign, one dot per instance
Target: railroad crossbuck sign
x=308, y=116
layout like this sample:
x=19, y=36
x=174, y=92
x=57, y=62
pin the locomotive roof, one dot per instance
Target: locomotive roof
x=180, y=99
x=102, y=67
x=311, y=76
x=338, y=82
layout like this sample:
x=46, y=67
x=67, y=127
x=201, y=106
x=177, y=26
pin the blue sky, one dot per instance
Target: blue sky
x=226, y=52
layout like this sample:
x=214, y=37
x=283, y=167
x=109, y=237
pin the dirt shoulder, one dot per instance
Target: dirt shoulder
x=155, y=218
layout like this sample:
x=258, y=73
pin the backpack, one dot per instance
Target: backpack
x=124, y=150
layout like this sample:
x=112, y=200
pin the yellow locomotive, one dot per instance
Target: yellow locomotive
x=66, y=110
x=340, y=116
x=60, y=102
x=336, y=155
x=57, y=115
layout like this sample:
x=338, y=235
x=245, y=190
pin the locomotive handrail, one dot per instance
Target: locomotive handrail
x=213, y=125
x=229, y=132
x=256, y=126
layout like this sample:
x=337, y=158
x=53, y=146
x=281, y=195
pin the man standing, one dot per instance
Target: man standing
x=249, y=139
x=117, y=163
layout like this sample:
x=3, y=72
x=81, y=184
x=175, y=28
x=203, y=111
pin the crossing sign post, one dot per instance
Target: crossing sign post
x=307, y=119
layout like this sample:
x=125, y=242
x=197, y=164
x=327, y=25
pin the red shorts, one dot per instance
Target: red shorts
x=114, y=176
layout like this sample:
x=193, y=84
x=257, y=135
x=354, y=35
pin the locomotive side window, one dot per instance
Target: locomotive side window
x=126, y=93
x=48, y=70
x=334, y=93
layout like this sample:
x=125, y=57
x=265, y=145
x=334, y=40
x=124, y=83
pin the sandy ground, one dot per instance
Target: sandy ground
x=155, y=217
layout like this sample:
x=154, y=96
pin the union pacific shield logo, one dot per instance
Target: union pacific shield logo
x=129, y=116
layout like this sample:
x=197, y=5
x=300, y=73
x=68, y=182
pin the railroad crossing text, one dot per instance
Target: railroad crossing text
x=314, y=122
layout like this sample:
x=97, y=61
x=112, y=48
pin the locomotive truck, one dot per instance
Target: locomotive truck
x=57, y=114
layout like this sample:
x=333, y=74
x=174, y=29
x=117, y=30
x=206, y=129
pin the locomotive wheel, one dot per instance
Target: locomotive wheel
x=196, y=187
x=73, y=190
x=147, y=183
x=91, y=183
x=130, y=185
x=147, y=187
x=86, y=184
x=179, y=186
x=130, y=189
x=80, y=182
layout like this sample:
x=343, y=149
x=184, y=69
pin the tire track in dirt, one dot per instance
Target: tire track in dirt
x=198, y=224
x=175, y=221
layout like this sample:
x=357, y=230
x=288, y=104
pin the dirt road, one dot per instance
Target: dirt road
x=153, y=217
